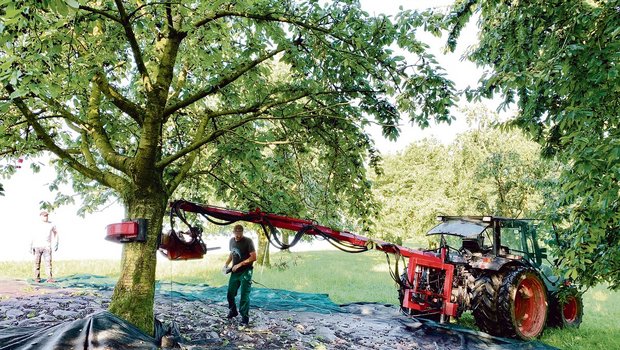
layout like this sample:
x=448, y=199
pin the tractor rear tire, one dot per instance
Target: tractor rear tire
x=484, y=303
x=566, y=314
x=522, y=304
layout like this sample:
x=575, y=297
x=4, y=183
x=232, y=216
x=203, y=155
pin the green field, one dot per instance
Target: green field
x=346, y=278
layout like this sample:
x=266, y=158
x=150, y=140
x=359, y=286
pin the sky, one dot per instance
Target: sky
x=463, y=73
x=83, y=238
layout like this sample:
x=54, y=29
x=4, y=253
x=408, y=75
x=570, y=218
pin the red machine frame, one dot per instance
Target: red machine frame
x=421, y=264
x=127, y=231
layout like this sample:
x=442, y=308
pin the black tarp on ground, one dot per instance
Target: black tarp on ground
x=105, y=331
x=101, y=331
x=440, y=336
x=470, y=339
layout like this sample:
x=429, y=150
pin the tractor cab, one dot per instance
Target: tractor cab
x=481, y=238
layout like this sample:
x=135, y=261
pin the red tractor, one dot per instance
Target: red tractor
x=501, y=276
x=496, y=270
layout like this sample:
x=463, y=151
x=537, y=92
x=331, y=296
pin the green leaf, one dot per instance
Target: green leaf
x=73, y=4
x=18, y=93
x=11, y=12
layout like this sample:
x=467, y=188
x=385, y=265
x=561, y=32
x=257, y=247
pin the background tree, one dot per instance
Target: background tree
x=412, y=190
x=485, y=171
x=558, y=61
x=497, y=171
x=255, y=102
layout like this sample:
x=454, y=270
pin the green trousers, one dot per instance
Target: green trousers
x=243, y=281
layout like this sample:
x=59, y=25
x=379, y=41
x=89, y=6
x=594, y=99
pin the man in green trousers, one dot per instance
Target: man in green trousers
x=242, y=254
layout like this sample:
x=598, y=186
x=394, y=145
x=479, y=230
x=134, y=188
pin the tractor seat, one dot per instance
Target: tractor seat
x=472, y=245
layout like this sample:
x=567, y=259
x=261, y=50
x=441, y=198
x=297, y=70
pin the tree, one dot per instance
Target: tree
x=412, y=190
x=254, y=102
x=486, y=171
x=558, y=61
x=497, y=171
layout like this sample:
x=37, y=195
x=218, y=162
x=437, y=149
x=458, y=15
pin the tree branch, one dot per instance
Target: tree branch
x=257, y=110
x=131, y=109
x=165, y=72
x=272, y=18
x=135, y=48
x=256, y=195
x=169, y=20
x=265, y=17
x=185, y=168
x=223, y=82
x=181, y=78
x=194, y=146
x=105, y=178
x=85, y=150
x=99, y=134
x=66, y=114
x=154, y=3
x=100, y=12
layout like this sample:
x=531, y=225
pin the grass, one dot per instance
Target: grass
x=600, y=327
x=345, y=278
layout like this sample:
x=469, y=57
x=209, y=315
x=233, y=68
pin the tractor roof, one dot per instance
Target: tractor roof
x=469, y=227
x=462, y=227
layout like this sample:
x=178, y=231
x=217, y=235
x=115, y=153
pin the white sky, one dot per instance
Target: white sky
x=463, y=73
x=83, y=238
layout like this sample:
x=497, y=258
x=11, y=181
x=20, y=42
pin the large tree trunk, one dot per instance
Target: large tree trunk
x=133, y=297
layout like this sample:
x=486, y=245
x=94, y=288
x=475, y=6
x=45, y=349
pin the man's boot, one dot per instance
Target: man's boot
x=245, y=320
x=232, y=313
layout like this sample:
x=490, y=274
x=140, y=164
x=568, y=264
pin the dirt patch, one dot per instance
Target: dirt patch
x=12, y=288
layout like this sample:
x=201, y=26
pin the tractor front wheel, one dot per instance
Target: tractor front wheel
x=566, y=311
x=522, y=304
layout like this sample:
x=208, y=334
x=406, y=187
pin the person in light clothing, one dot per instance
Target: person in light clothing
x=44, y=236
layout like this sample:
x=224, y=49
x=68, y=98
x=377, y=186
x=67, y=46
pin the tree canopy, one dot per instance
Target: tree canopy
x=484, y=171
x=559, y=62
x=254, y=102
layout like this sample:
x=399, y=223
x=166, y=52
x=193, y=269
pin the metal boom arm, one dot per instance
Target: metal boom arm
x=308, y=227
x=426, y=287
x=419, y=296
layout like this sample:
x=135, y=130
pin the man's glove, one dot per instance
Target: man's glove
x=226, y=270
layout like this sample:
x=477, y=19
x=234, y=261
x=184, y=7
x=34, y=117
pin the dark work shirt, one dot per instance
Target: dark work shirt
x=241, y=251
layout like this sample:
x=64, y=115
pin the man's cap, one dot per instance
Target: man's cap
x=43, y=212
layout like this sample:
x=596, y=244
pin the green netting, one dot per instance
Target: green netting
x=263, y=298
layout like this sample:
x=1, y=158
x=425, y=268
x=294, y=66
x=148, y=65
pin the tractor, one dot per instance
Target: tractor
x=495, y=269
x=501, y=274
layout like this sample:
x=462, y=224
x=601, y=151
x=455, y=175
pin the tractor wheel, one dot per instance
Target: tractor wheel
x=566, y=314
x=522, y=304
x=484, y=303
